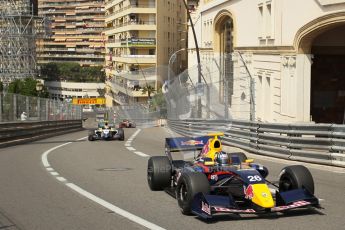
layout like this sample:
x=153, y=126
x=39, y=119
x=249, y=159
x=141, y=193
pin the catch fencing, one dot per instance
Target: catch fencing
x=37, y=109
x=220, y=88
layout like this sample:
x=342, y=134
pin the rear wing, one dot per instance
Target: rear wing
x=177, y=144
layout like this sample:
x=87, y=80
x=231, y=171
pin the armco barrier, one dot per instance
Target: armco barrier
x=314, y=143
x=21, y=132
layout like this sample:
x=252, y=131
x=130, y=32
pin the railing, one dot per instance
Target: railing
x=140, y=22
x=314, y=143
x=14, y=133
x=128, y=7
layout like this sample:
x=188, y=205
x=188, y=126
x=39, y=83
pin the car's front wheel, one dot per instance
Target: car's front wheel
x=295, y=177
x=188, y=185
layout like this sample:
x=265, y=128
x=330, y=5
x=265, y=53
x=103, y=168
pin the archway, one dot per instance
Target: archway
x=328, y=77
x=324, y=39
x=223, y=46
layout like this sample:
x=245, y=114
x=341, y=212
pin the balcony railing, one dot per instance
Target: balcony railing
x=153, y=5
x=139, y=22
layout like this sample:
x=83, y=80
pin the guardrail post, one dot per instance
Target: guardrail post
x=0, y=107
x=47, y=110
x=27, y=107
x=39, y=108
x=14, y=107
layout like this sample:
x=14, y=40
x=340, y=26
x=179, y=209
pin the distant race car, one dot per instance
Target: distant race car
x=127, y=124
x=218, y=182
x=105, y=132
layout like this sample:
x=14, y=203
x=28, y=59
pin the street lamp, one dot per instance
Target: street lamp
x=172, y=59
x=39, y=88
x=197, y=55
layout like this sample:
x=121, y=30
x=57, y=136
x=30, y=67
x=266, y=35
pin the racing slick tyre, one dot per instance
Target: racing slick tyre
x=295, y=177
x=158, y=173
x=90, y=138
x=188, y=185
x=121, y=133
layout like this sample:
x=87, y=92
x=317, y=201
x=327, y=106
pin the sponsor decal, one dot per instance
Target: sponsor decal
x=221, y=209
x=264, y=195
x=192, y=142
x=205, y=149
x=248, y=192
x=293, y=205
x=205, y=207
x=214, y=177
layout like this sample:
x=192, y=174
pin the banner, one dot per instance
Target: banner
x=89, y=101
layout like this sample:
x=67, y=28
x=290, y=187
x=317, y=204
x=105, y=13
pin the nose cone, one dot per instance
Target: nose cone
x=262, y=195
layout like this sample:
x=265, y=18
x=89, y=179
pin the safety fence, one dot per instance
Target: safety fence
x=221, y=87
x=314, y=143
x=15, y=107
x=143, y=115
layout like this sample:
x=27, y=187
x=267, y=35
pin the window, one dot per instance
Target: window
x=261, y=25
x=268, y=18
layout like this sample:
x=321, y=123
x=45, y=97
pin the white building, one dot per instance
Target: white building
x=294, y=50
x=60, y=89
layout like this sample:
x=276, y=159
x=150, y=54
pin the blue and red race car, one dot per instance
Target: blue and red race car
x=218, y=182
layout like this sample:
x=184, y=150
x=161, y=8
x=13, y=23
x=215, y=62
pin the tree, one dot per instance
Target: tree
x=1, y=86
x=26, y=87
x=149, y=89
x=159, y=103
x=50, y=71
x=72, y=71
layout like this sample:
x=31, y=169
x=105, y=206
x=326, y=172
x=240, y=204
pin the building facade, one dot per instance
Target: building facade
x=63, y=90
x=75, y=32
x=141, y=35
x=294, y=52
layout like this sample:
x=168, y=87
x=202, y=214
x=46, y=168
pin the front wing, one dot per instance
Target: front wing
x=205, y=206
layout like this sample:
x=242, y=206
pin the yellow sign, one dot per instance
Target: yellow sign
x=89, y=101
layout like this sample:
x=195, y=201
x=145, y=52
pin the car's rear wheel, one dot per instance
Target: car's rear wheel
x=158, y=172
x=188, y=185
x=121, y=133
x=295, y=177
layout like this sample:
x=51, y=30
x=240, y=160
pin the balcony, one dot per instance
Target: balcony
x=135, y=59
x=133, y=25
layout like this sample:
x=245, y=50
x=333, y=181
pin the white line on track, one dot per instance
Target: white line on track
x=130, y=148
x=94, y=198
x=141, y=154
x=59, y=178
x=114, y=208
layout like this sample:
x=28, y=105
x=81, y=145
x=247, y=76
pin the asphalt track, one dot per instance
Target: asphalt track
x=102, y=185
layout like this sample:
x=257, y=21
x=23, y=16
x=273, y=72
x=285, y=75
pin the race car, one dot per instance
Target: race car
x=106, y=132
x=127, y=124
x=217, y=182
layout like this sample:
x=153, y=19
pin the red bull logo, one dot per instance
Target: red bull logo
x=205, y=149
x=192, y=142
x=248, y=192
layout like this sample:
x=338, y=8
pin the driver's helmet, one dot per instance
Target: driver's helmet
x=222, y=159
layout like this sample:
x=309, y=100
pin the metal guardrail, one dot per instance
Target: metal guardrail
x=14, y=133
x=314, y=143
